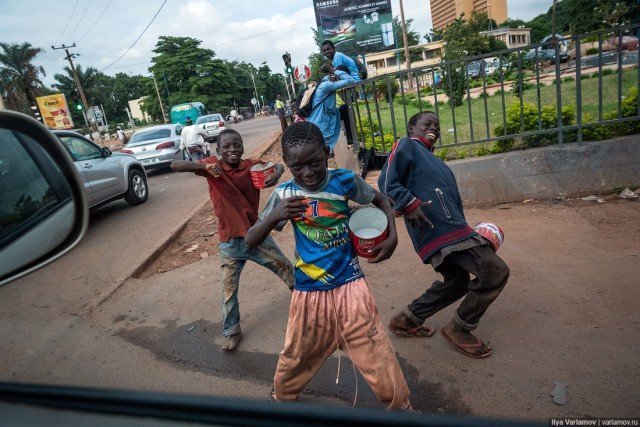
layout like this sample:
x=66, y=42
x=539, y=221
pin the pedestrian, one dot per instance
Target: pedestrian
x=192, y=135
x=324, y=112
x=340, y=59
x=279, y=110
x=121, y=135
x=331, y=306
x=423, y=189
x=235, y=203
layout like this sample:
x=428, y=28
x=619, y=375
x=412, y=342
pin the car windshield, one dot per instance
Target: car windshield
x=149, y=135
x=209, y=118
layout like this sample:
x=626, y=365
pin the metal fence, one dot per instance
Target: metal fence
x=555, y=90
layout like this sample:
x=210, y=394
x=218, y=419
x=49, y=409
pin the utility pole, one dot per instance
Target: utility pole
x=164, y=116
x=405, y=38
x=85, y=104
x=286, y=86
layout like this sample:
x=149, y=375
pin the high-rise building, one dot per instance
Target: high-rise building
x=444, y=12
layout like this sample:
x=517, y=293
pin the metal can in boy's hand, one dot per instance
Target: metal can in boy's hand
x=367, y=228
x=260, y=173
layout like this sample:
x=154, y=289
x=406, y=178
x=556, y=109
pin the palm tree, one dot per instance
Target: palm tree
x=20, y=78
x=89, y=80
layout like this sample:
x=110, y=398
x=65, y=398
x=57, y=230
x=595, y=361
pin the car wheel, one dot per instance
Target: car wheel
x=548, y=62
x=138, y=191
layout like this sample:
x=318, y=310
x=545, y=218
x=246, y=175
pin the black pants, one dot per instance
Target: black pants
x=344, y=116
x=283, y=121
x=491, y=275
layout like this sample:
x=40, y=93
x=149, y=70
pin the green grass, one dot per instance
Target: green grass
x=548, y=96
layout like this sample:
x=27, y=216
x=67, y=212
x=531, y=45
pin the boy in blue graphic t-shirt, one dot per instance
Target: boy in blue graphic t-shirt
x=331, y=306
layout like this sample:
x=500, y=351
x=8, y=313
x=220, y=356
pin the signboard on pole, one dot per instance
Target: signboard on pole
x=356, y=27
x=55, y=111
x=302, y=72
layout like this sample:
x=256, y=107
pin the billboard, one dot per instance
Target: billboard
x=356, y=27
x=55, y=111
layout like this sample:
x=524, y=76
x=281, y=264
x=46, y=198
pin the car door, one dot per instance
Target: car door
x=104, y=174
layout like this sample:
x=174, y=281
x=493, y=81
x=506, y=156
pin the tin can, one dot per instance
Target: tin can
x=260, y=172
x=367, y=228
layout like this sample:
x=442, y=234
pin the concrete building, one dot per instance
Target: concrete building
x=387, y=61
x=136, y=111
x=512, y=37
x=444, y=12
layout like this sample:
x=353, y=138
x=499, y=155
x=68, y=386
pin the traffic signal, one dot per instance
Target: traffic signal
x=79, y=107
x=287, y=63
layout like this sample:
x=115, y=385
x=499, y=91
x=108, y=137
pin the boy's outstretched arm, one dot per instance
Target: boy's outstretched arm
x=385, y=249
x=287, y=209
x=184, y=166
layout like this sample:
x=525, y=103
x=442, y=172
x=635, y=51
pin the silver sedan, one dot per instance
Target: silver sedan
x=212, y=124
x=156, y=146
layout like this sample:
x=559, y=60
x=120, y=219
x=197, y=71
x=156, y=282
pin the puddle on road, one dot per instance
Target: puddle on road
x=196, y=350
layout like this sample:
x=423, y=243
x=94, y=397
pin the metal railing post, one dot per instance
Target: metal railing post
x=558, y=92
x=578, y=91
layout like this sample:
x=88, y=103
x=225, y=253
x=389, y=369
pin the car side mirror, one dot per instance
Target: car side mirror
x=106, y=152
x=43, y=210
x=178, y=131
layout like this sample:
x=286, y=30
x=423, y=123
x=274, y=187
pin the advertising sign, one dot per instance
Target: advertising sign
x=356, y=27
x=302, y=72
x=55, y=111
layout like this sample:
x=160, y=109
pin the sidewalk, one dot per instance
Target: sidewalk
x=569, y=314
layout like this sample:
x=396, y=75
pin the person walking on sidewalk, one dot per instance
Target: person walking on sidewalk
x=279, y=107
x=423, y=189
x=331, y=307
x=235, y=203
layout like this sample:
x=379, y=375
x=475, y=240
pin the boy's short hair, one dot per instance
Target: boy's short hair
x=329, y=42
x=228, y=132
x=414, y=119
x=301, y=133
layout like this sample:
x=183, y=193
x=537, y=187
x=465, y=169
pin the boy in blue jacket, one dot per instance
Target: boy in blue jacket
x=423, y=189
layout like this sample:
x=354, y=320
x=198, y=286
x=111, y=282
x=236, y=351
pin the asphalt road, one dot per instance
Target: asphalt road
x=40, y=310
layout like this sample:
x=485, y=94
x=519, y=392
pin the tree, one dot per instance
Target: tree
x=66, y=84
x=462, y=39
x=413, y=38
x=433, y=36
x=20, y=78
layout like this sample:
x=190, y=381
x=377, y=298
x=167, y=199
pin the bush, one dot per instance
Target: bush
x=548, y=120
x=629, y=109
x=383, y=89
x=608, y=72
x=568, y=79
x=592, y=51
x=382, y=142
x=453, y=84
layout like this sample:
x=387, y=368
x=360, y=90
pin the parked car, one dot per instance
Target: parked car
x=212, y=124
x=628, y=43
x=474, y=69
x=156, y=146
x=105, y=176
x=546, y=56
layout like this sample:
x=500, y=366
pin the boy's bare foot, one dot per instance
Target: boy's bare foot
x=465, y=342
x=401, y=325
x=232, y=342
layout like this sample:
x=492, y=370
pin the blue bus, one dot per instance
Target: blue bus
x=192, y=109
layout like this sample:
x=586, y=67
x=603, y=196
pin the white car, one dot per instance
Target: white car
x=212, y=124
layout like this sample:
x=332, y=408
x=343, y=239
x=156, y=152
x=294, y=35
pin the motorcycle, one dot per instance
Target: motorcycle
x=195, y=152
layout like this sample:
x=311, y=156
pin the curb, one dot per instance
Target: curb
x=153, y=253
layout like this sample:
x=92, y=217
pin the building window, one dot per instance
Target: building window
x=391, y=62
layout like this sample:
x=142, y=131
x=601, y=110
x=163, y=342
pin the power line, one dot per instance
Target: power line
x=69, y=20
x=95, y=22
x=80, y=20
x=261, y=34
x=136, y=41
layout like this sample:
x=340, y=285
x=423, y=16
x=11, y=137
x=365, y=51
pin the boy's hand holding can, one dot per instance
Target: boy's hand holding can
x=290, y=208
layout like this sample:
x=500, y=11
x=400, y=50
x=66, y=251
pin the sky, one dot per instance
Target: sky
x=253, y=31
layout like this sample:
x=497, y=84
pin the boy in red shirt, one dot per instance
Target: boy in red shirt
x=235, y=203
